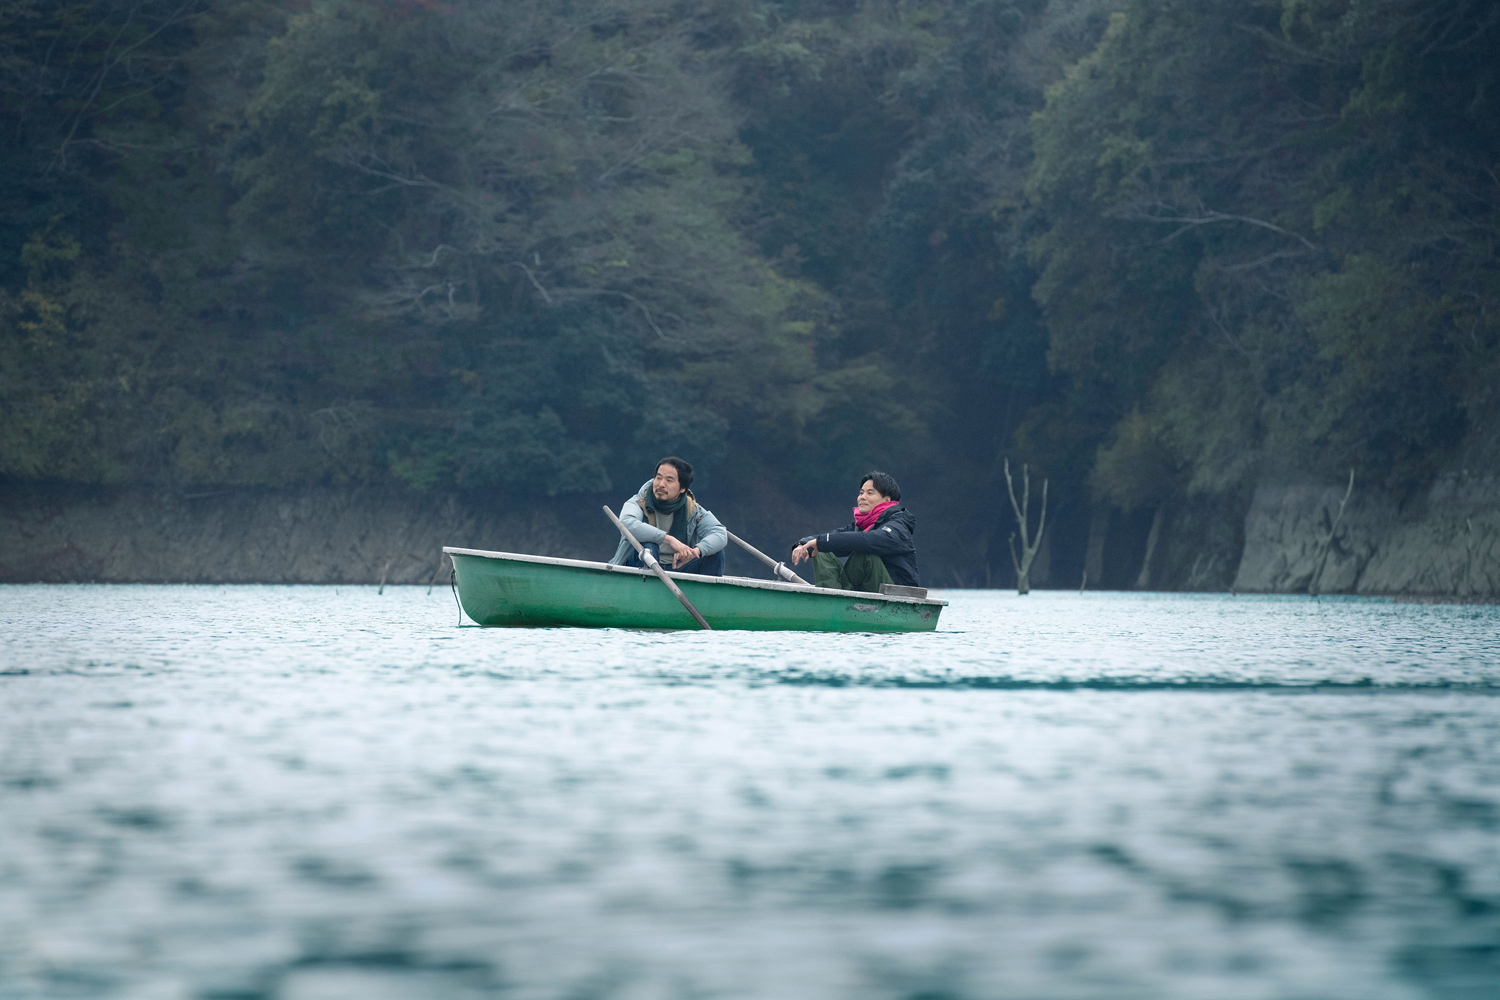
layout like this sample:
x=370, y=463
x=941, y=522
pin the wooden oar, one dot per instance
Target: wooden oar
x=655, y=567
x=779, y=568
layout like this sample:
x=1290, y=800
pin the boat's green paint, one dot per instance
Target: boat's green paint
x=505, y=588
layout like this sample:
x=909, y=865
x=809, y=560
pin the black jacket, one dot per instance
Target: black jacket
x=890, y=539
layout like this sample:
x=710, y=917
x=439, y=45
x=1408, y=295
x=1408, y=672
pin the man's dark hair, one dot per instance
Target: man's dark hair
x=882, y=481
x=684, y=469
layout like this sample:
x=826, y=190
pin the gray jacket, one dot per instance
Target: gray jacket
x=704, y=532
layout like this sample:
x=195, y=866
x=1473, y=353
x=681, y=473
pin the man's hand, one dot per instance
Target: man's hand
x=680, y=553
x=806, y=550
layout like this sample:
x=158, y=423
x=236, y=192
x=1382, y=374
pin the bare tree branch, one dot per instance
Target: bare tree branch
x=104, y=72
x=1189, y=222
x=536, y=284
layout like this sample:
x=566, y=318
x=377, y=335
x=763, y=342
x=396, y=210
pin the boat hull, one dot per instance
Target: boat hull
x=510, y=589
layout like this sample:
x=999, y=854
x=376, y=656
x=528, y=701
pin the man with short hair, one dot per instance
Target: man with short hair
x=878, y=544
x=664, y=515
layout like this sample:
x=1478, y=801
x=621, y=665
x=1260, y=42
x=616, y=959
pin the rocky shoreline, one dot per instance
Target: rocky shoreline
x=1282, y=539
x=317, y=535
x=1445, y=543
x=320, y=535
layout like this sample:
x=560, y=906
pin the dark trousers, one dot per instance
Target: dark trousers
x=861, y=571
x=703, y=566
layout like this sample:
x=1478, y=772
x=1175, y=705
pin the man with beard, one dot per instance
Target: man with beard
x=878, y=544
x=665, y=516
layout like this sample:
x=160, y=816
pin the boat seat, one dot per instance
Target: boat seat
x=891, y=590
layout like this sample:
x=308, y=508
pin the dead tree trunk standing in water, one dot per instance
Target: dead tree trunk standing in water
x=1093, y=558
x=1029, y=545
x=1325, y=540
x=1143, y=580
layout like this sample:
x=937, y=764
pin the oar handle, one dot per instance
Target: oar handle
x=655, y=567
x=779, y=568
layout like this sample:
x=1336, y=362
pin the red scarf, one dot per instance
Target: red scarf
x=867, y=521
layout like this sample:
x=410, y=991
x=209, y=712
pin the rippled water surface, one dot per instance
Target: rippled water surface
x=317, y=793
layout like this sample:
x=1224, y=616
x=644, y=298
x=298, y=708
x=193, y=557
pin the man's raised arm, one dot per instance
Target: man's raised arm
x=889, y=539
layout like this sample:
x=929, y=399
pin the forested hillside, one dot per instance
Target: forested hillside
x=1160, y=250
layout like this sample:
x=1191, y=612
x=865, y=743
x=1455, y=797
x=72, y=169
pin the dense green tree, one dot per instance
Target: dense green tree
x=1258, y=229
x=100, y=183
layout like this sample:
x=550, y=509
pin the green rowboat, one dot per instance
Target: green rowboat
x=506, y=588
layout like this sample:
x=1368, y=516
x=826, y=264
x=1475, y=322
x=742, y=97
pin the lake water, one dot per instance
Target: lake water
x=310, y=793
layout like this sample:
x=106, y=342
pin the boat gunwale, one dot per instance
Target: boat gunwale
x=734, y=581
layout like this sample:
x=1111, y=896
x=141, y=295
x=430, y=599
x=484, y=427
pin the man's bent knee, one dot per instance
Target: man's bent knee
x=704, y=565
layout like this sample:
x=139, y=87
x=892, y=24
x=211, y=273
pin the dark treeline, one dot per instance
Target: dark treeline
x=1160, y=250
